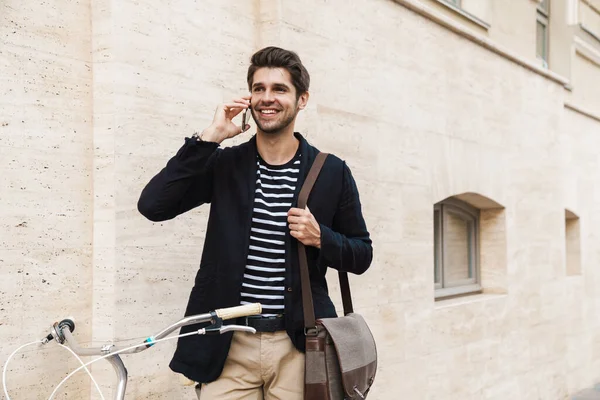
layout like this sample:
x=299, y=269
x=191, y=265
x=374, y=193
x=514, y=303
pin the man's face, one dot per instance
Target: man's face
x=274, y=103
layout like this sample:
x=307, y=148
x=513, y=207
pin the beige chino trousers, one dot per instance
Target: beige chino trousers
x=260, y=366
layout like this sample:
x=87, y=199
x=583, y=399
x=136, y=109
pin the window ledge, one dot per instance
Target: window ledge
x=467, y=289
x=589, y=32
x=465, y=14
x=586, y=50
x=475, y=298
x=582, y=111
x=442, y=20
x=591, y=5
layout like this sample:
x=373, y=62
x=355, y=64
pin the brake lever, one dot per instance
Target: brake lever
x=225, y=329
x=240, y=328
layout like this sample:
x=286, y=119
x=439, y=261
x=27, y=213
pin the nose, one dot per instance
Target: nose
x=268, y=96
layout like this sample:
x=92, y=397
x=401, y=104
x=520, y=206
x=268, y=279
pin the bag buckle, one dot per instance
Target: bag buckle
x=362, y=396
x=311, y=331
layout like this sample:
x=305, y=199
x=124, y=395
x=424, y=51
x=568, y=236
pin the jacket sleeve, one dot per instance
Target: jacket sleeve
x=185, y=182
x=347, y=246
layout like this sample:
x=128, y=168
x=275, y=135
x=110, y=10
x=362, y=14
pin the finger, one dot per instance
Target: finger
x=232, y=111
x=300, y=221
x=238, y=104
x=296, y=211
x=243, y=100
x=297, y=227
x=235, y=106
x=295, y=220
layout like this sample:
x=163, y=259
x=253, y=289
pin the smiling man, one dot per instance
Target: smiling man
x=249, y=253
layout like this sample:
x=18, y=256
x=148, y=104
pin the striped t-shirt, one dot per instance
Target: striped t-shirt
x=264, y=277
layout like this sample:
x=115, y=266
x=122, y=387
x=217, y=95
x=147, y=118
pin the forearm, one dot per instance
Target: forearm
x=347, y=254
x=346, y=245
x=184, y=183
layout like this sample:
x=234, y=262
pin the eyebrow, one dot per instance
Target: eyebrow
x=283, y=85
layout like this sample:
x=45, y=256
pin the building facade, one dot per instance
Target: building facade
x=472, y=128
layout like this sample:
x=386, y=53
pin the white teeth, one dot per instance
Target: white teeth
x=268, y=111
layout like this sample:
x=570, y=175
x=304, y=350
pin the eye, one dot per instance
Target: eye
x=257, y=89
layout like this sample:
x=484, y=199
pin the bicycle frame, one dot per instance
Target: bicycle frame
x=62, y=332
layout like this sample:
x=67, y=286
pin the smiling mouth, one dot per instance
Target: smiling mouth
x=268, y=112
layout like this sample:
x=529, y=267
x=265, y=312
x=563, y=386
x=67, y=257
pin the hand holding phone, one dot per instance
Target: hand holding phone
x=222, y=126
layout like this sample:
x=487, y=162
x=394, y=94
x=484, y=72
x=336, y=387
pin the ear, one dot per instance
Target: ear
x=303, y=100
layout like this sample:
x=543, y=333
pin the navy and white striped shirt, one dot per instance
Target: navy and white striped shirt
x=264, y=277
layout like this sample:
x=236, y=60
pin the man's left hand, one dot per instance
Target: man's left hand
x=304, y=227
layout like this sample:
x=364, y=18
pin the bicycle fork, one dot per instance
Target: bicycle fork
x=121, y=371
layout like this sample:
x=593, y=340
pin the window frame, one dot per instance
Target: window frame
x=544, y=7
x=572, y=244
x=543, y=18
x=464, y=286
x=455, y=3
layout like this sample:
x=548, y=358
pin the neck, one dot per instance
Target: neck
x=277, y=148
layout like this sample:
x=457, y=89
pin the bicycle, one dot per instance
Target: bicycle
x=62, y=332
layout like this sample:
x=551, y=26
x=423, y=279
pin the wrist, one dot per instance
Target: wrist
x=210, y=134
x=318, y=240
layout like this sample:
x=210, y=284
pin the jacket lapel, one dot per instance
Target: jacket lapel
x=251, y=154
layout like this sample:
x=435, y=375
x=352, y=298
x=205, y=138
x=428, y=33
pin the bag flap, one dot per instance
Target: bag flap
x=356, y=352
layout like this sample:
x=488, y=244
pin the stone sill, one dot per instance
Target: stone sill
x=461, y=290
x=582, y=111
x=465, y=14
x=587, y=51
x=591, y=5
x=475, y=298
x=436, y=17
x=585, y=29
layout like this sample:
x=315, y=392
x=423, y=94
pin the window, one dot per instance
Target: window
x=456, y=248
x=573, y=244
x=454, y=2
x=542, y=35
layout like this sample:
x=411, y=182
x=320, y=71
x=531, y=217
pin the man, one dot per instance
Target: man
x=250, y=253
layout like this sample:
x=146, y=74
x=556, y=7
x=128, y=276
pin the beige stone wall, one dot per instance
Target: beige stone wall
x=161, y=68
x=419, y=113
x=589, y=16
x=45, y=186
x=586, y=92
x=581, y=196
x=453, y=118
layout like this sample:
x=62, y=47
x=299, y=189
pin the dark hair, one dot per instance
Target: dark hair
x=275, y=57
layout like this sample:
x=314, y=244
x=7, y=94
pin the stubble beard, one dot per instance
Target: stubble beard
x=277, y=127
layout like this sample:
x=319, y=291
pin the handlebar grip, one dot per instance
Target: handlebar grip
x=67, y=322
x=239, y=311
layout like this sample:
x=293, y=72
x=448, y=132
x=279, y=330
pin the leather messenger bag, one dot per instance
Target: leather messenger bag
x=341, y=357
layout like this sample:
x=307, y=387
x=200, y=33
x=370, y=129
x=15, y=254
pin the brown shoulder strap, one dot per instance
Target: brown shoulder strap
x=311, y=178
x=307, y=300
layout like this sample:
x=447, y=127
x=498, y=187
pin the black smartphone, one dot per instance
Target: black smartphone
x=244, y=115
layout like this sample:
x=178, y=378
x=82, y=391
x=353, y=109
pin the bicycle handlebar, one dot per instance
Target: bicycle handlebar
x=63, y=330
x=62, y=333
